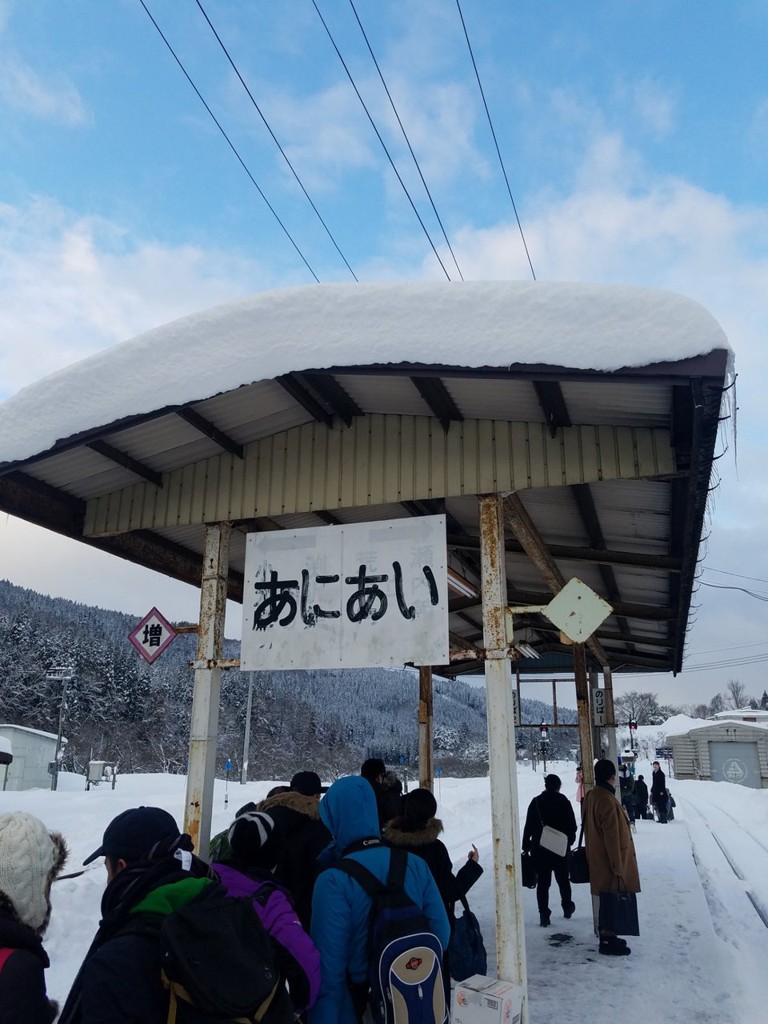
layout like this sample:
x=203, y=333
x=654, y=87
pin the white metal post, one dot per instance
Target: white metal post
x=247, y=735
x=426, y=773
x=505, y=820
x=610, y=716
x=204, y=726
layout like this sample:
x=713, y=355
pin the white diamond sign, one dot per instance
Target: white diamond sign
x=577, y=610
x=152, y=635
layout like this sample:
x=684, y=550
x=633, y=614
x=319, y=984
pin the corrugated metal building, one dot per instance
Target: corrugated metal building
x=33, y=750
x=729, y=751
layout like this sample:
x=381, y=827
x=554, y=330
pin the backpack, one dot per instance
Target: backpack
x=405, y=972
x=219, y=962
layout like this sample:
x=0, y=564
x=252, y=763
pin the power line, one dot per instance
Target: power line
x=274, y=138
x=738, y=575
x=722, y=586
x=495, y=141
x=230, y=143
x=381, y=140
x=405, y=136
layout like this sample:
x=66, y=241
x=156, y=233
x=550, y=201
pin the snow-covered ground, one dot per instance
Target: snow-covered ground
x=703, y=910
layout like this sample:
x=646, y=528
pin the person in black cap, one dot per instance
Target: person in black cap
x=299, y=838
x=151, y=870
x=554, y=809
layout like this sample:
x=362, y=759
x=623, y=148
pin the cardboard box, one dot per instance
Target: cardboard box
x=482, y=1000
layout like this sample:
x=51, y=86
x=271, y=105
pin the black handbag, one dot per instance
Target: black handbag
x=530, y=874
x=618, y=913
x=578, y=868
x=466, y=950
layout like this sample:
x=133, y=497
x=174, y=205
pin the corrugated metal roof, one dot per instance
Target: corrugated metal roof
x=634, y=539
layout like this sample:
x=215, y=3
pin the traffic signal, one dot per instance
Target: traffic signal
x=632, y=725
x=544, y=733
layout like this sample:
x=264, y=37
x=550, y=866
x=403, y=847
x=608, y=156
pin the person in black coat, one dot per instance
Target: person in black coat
x=299, y=839
x=641, y=797
x=553, y=809
x=659, y=793
x=150, y=871
x=417, y=830
x=30, y=859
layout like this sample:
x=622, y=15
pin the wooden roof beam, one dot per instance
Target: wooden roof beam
x=209, y=430
x=552, y=402
x=125, y=460
x=439, y=400
x=334, y=395
x=516, y=515
x=630, y=559
x=291, y=383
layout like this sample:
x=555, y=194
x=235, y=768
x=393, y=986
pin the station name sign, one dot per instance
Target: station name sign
x=355, y=596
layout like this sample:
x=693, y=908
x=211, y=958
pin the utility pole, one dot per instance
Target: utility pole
x=63, y=675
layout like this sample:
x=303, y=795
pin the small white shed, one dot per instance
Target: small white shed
x=725, y=751
x=33, y=750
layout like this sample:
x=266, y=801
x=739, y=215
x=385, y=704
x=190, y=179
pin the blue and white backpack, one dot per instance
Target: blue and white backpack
x=405, y=958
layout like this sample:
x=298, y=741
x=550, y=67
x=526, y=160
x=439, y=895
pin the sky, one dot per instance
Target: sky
x=634, y=143
x=702, y=948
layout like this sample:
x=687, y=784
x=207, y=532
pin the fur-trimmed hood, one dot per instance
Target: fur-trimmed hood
x=30, y=859
x=306, y=805
x=396, y=834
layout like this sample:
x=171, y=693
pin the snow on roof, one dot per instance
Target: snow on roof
x=600, y=327
x=761, y=727
x=35, y=732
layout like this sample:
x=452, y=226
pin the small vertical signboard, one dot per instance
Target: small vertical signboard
x=356, y=596
x=598, y=706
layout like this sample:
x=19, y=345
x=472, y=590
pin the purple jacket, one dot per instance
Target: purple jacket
x=297, y=956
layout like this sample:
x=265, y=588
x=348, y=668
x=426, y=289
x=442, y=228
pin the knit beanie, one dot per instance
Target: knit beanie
x=252, y=841
x=30, y=856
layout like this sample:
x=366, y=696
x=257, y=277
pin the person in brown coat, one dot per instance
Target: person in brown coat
x=609, y=846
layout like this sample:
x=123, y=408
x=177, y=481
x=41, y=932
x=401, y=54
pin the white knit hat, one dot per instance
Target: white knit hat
x=29, y=857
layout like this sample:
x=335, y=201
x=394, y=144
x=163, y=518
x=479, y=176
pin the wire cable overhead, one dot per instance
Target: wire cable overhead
x=407, y=140
x=495, y=141
x=381, y=140
x=231, y=144
x=274, y=138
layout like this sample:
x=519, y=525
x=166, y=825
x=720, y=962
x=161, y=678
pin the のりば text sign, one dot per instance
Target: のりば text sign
x=357, y=596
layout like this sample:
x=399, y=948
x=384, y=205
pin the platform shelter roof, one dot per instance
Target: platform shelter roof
x=595, y=409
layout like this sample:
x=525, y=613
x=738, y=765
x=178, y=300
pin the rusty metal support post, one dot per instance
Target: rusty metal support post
x=426, y=770
x=585, y=717
x=610, y=716
x=204, y=726
x=505, y=819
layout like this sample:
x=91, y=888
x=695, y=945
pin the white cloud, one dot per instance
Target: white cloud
x=70, y=286
x=54, y=98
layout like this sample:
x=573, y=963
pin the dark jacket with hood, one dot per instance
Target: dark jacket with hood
x=301, y=837
x=340, y=907
x=426, y=843
x=23, y=998
x=119, y=980
x=551, y=808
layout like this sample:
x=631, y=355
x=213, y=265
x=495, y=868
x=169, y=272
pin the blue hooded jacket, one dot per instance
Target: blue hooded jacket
x=340, y=908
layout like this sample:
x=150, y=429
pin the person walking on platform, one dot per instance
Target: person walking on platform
x=610, y=850
x=659, y=793
x=641, y=797
x=554, y=809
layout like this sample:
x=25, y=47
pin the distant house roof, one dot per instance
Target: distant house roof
x=34, y=732
x=595, y=408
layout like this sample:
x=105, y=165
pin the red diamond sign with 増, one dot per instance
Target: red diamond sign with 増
x=152, y=635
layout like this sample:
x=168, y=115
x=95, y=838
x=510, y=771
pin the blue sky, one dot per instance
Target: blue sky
x=634, y=137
